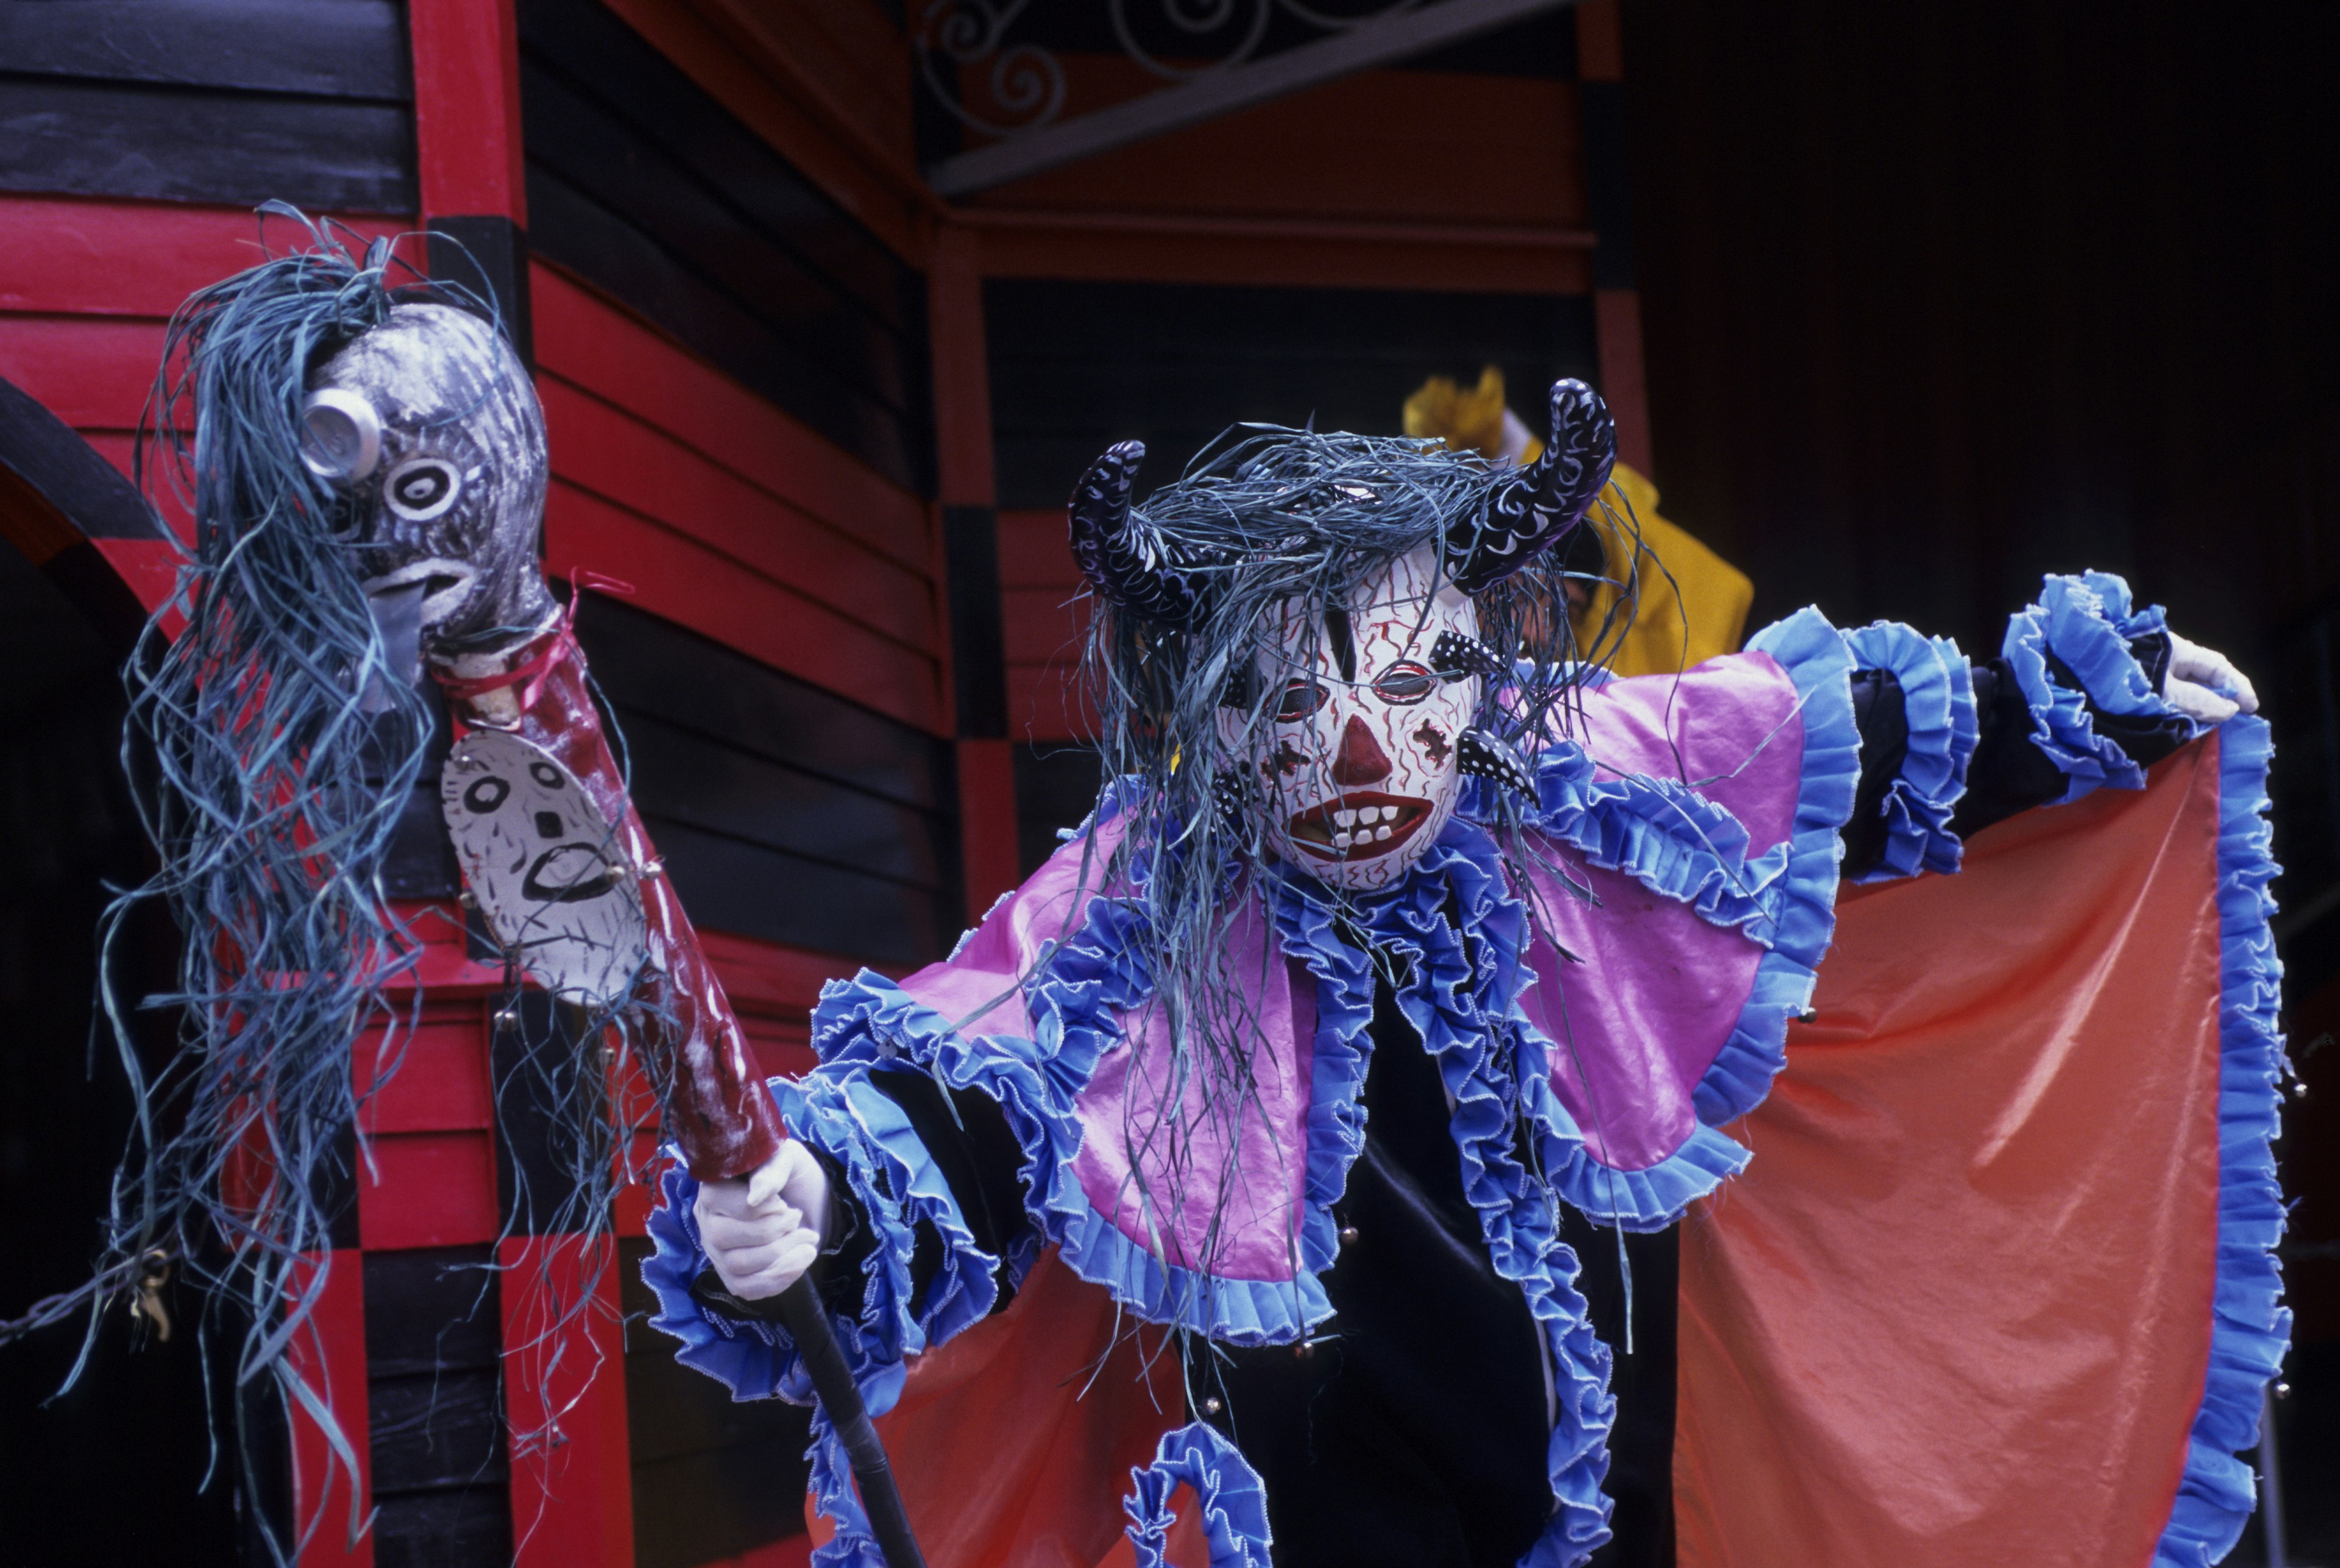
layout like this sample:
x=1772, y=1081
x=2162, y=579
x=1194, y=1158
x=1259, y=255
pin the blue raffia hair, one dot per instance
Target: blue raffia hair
x=1281, y=518
x=270, y=784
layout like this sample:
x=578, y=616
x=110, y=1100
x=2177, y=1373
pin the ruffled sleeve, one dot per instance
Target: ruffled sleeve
x=2073, y=657
x=1915, y=798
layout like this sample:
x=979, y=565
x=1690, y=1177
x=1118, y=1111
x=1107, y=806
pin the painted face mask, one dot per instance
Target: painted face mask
x=1357, y=749
x=430, y=425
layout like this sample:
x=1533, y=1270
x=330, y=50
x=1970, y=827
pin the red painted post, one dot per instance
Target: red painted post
x=962, y=377
x=1616, y=302
x=572, y=1494
x=330, y=1355
x=466, y=109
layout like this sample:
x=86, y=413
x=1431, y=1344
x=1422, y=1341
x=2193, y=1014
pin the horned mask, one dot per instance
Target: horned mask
x=1355, y=726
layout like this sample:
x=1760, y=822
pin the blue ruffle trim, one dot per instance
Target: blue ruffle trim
x=1226, y=1487
x=2085, y=624
x=1080, y=995
x=1938, y=701
x=2250, y=1326
x=1819, y=664
x=1461, y=995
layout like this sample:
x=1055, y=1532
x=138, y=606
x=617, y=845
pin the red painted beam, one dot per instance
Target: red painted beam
x=467, y=129
x=572, y=1498
x=329, y=1353
x=74, y=256
x=604, y=349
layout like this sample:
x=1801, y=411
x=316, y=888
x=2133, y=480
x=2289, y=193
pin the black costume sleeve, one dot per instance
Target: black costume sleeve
x=2008, y=773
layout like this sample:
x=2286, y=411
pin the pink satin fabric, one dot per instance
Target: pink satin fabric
x=1635, y=1024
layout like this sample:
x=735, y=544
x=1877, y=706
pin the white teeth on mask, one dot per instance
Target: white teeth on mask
x=1342, y=840
x=1345, y=818
x=1388, y=814
x=1380, y=834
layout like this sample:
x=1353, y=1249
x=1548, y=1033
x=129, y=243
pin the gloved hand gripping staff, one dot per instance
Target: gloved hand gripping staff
x=557, y=858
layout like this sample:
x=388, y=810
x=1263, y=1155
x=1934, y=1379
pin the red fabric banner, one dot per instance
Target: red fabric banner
x=1958, y=1311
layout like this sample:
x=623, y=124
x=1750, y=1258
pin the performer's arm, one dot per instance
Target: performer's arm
x=761, y=1234
x=2043, y=732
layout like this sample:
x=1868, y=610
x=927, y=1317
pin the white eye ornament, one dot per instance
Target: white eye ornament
x=341, y=435
x=422, y=488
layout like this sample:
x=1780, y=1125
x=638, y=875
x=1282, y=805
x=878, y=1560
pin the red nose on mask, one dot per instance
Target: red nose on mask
x=1361, y=760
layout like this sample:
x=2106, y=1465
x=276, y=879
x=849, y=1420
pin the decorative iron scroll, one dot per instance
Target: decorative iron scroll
x=1022, y=79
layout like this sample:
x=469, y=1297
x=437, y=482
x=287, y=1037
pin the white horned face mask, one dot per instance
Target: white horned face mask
x=1356, y=752
x=1348, y=762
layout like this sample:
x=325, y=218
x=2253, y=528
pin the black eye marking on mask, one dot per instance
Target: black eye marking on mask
x=422, y=488
x=1299, y=699
x=1344, y=642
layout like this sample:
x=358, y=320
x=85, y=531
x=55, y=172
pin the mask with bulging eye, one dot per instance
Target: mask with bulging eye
x=1354, y=745
x=429, y=428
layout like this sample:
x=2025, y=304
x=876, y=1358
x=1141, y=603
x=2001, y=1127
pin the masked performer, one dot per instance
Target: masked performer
x=1402, y=931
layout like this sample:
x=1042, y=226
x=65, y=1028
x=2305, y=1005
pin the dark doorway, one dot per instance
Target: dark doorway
x=111, y=1471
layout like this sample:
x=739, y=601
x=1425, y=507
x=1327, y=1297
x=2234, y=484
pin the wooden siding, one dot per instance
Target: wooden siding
x=783, y=813
x=729, y=515
x=1077, y=366
x=641, y=183
x=440, y=1466
x=713, y=1477
x=1419, y=147
x=209, y=101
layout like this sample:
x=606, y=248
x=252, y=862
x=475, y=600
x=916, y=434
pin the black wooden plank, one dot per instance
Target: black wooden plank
x=646, y=664
x=566, y=225
x=706, y=1506
x=188, y=145
x=467, y=1527
x=431, y=1309
x=713, y=1476
x=728, y=885
x=1077, y=366
x=971, y=549
x=671, y=200
x=1056, y=787
x=436, y=1431
x=589, y=45
x=680, y=775
x=47, y=454
x=329, y=48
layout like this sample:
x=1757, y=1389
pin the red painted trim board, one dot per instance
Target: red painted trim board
x=330, y=1355
x=467, y=127
x=572, y=1497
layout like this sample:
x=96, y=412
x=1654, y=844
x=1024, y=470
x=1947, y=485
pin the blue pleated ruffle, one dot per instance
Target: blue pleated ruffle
x=1938, y=701
x=1819, y=664
x=1226, y=1487
x=2083, y=624
x=1461, y=995
x=2250, y=1326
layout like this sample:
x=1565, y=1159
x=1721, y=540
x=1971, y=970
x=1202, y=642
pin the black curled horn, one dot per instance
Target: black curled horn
x=1535, y=508
x=1122, y=558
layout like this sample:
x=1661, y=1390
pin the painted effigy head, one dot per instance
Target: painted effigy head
x=428, y=427
x=1301, y=631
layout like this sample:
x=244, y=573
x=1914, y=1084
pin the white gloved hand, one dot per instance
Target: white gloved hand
x=2204, y=684
x=762, y=1231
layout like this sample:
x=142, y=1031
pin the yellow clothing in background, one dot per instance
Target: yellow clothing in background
x=1692, y=602
x=1689, y=605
